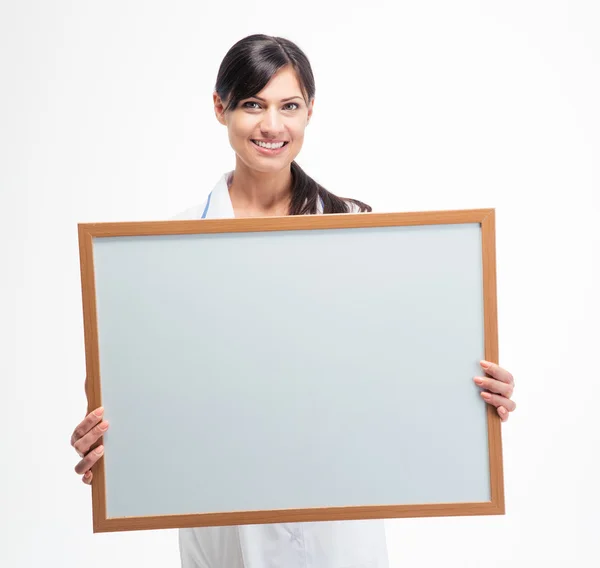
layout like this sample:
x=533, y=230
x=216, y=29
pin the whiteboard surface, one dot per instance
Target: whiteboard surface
x=292, y=369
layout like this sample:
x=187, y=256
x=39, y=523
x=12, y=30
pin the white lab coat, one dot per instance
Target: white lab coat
x=338, y=544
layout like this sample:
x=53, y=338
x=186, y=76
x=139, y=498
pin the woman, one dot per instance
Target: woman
x=264, y=95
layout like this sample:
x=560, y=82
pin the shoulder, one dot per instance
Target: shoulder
x=354, y=207
x=191, y=213
x=216, y=204
x=349, y=205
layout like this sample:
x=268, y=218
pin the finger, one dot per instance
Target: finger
x=493, y=385
x=88, y=461
x=503, y=413
x=83, y=445
x=497, y=400
x=87, y=424
x=497, y=372
x=87, y=477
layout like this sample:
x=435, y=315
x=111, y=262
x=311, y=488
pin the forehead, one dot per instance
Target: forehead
x=283, y=84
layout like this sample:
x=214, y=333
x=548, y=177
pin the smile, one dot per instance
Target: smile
x=269, y=145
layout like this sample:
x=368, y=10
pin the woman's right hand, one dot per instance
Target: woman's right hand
x=89, y=431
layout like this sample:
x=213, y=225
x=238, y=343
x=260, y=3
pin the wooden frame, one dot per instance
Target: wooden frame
x=88, y=232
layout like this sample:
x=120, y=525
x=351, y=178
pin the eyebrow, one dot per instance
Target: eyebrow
x=282, y=100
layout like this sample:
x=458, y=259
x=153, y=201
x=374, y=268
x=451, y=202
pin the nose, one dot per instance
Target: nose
x=271, y=123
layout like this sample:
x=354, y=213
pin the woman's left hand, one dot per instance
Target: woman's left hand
x=499, y=387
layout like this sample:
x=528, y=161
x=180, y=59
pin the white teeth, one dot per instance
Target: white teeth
x=268, y=144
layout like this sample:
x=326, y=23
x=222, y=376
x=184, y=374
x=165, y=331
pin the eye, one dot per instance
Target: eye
x=249, y=104
x=294, y=105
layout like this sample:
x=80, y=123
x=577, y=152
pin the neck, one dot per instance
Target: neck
x=255, y=193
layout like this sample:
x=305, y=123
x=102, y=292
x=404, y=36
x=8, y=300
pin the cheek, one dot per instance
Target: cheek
x=296, y=129
x=241, y=128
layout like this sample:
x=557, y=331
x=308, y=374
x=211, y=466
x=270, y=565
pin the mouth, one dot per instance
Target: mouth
x=270, y=148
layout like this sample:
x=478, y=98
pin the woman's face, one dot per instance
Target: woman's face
x=266, y=131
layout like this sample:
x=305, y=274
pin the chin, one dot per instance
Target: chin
x=273, y=168
x=268, y=165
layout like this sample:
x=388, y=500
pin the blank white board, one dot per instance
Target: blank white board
x=302, y=372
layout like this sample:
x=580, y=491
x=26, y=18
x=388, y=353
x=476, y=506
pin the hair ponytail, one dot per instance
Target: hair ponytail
x=306, y=194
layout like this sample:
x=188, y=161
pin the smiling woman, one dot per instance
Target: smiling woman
x=264, y=95
x=269, y=121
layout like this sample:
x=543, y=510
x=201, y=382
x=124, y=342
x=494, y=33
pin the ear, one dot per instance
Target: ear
x=219, y=108
x=310, y=110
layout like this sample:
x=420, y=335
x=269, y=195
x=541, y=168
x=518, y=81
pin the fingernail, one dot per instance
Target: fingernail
x=502, y=410
x=103, y=426
x=485, y=364
x=87, y=473
x=99, y=411
x=99, y=450
x=478, y=381
x=486, y=395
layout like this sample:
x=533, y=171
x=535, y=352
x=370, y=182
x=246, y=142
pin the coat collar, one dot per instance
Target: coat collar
x=219, y=206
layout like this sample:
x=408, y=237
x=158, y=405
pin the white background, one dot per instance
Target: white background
x=105, y=114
